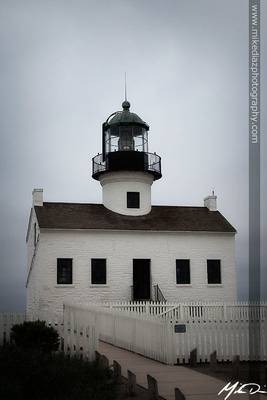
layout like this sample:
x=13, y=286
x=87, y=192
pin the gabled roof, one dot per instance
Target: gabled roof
x=161, y=218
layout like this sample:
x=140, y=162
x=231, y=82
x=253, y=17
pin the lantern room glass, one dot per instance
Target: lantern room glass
x=126, y=138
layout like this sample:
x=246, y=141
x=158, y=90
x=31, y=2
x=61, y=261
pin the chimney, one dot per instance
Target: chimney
x=37, y=197
x=211, y=202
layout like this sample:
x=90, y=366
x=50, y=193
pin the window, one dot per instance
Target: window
x=214, y=271
x=133, y=200
x=182, y=272
x=64, y=271
x=98, y=271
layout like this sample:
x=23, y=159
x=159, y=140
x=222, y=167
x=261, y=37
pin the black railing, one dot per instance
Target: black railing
x=158, y=295
x=127, y=160
x=98, y=164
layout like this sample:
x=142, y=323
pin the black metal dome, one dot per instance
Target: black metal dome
x=126, y=117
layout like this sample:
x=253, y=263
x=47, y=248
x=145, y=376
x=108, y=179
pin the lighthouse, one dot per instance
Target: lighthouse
x=124, y=248
x=126, y=169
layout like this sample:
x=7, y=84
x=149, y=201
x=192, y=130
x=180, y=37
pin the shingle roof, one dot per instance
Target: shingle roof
x=161, y=218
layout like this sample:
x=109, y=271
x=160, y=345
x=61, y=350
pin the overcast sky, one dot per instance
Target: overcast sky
x=62, y=74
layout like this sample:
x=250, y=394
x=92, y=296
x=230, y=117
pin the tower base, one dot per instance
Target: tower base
x=117, y=186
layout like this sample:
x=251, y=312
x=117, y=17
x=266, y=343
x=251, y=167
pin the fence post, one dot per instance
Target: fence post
x=169, y=342
x=152, y=388
x=117, y=371
x=224, y=312
x=181, y=312
x=131, y=384
x=114, y=316
x=103, y=361
x=178, y=394
x=97, y=357
x=236, y=366
x=213, y=360
x=193, y=358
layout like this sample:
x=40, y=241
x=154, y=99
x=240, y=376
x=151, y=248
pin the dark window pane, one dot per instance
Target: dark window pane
x=182, y=272
x=214, y=271
x=133, y=200
x=64, y=271
x=98, y=271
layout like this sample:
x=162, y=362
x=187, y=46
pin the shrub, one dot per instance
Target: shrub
x=27, y=375
x=35, y=335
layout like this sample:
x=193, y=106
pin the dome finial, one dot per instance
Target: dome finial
x=126, y=105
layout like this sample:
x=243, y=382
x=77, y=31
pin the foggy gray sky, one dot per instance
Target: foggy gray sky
x=62, y=74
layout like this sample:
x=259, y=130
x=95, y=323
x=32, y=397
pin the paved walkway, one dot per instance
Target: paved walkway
x=193, y=384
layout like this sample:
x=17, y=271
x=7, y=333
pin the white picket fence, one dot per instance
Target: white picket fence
x=214, y=311
x=140, y=333
x=80, y=331
x=77, y=330
x=229, y=328
x=166, y=332
x=228, y=338
x=7, y=320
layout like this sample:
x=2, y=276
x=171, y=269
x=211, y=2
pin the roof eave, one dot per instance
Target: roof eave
x=135, y=230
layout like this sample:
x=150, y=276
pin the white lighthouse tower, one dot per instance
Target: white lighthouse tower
x=125, y=169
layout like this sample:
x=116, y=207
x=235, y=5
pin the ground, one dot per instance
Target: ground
x=249, y=372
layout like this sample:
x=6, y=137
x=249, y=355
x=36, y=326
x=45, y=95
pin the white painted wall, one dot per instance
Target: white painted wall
x=115, y=186
x=32, y=293
x=119, y=248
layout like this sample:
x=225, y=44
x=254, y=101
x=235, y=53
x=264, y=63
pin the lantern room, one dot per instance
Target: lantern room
x=125, y=131
x=125, y=145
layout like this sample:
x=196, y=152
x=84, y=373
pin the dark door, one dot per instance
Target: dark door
x=141, y=279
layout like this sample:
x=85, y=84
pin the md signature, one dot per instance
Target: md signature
x=239, y=388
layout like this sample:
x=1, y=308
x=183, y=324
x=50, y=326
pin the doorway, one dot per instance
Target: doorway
x=141, y=279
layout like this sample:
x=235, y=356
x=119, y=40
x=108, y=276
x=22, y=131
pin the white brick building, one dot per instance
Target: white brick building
x=125, y=248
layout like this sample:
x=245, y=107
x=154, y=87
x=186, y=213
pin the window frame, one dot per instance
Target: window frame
x=59, y=259
x=132, y=202
x=188, y=271
x=220, y=271
x=92, y=267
